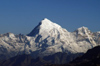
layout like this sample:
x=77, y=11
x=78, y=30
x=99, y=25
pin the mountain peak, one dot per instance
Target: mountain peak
x=48, y=24
x=82, y=28
x=9, y=34
x=44, y=27
x=46, y=21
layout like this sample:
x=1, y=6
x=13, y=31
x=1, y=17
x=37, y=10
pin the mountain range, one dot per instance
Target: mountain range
x=90, y=58
x=46, y=39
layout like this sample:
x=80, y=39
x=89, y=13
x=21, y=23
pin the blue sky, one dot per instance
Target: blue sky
x=21, y=16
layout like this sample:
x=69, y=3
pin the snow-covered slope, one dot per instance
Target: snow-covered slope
x=48, y=38
x=11, y=45
x=84, y=38
x=97, y=37
x=52, y=38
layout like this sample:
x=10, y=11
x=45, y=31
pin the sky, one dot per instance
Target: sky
x=22, y=16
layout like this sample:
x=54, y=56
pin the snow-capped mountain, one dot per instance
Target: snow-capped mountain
x=84, y=38
x=46, y=39
x=97, y=37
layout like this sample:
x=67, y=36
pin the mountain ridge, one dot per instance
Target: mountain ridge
x=48, y=38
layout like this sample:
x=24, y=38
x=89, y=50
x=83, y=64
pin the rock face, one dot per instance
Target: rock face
x=48, y=38
x=90, y=58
